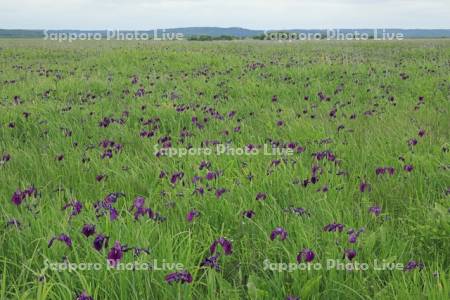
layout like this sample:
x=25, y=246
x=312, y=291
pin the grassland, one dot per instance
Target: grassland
x=368, y=123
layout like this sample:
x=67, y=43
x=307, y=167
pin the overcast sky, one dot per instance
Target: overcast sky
x=253, y=14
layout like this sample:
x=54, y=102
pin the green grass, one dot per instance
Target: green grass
x=414, y=223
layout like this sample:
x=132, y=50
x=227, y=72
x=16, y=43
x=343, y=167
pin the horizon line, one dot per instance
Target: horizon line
x=234, y=27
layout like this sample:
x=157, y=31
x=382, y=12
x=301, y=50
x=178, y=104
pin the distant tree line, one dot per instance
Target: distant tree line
x=204, y=38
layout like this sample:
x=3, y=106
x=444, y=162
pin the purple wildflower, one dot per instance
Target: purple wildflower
x=104, y=207
x=364, y=186
x=182, y=277
x=211, y=262
x=248, y=214
x=390, y=170
x=84, y=296
x=279, y=231
x=204, y=165
x=13, y=222
x=306, y=255
x=100, y=177
x=210, y=176
x=220, y=192
x=349, y=254
x=191, y=215
x=352, y=238
x=412, y=142
x=88, y=230
x=380, y=171
x=100, y=241
x=297, y=211
x=412, y=265
x=261, y=196
x=62, y=238
x=5, y=158
x=115, y=254
x=226, y=246
x=18, y=196
x=421, y=133
x=334, y=227
x=76, y=207
x=375, y=210
x=408, y=168
x=139, y=203
x=176, y=176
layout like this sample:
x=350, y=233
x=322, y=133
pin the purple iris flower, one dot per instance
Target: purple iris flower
x=248, y=214
x=100, y=241
x=18, y=196
x=62, y=238
x=261, y=196
x=334, y=227
x=139, y=204
x=364, y=186
x=204, y=165
x=220, y=192
x=390, y=170
x=115, y=254
x=140, y=92
x=30, y=191
x=104, y=207
x=100, y=177
x=191, y=215
x=299, y=211
x=412, y=142
x=375, y=210
x=211, y=262
x=279, y=231
x=349, y=254
x=352, y=238
x=196, y=179
x=408, y=168
x=138, y=251
x=292, y=298
x=421, y=132
x=5, y=158
x=113, y=214
x=88, y=230
x=380, y=171
x=76, y=207
x=226, y=246
x=84, y=296
x=306, y=255
x=182, y=277
x=412, y=265
x=112, y=198
x=199, y=191
x=275, y=162
x=176, y=176
x=14, y=222
x=210, y=176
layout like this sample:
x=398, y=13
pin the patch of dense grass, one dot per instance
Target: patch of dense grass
x=368, y=123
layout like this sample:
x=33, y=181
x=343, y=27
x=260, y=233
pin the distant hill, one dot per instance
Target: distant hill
x=231, y=31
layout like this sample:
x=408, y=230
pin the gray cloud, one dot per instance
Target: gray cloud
x=147, y=14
